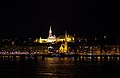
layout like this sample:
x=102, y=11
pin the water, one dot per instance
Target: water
x=60, y=68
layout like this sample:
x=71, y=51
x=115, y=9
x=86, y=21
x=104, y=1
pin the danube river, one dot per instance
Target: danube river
x=57, y=67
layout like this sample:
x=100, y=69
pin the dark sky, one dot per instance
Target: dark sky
x=33, y=18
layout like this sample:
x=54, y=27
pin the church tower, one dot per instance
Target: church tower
x=66, y=45
x=51, y=38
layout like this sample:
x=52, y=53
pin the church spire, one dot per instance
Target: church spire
x=50, y=32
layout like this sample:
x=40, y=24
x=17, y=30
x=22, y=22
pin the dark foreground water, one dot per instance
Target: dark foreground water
x=59, y=68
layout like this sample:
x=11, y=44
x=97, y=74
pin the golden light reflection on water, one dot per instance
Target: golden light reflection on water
x=98, y=58
x=118, y=58
x=108, y=58
x=66, y=60
x=56, y=61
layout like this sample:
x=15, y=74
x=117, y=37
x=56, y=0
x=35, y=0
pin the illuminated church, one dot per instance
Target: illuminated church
x=52, y=38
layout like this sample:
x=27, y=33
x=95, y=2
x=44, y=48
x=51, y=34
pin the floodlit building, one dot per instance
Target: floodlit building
x=52, y=38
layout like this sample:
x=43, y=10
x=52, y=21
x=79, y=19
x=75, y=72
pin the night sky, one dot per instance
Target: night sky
x=32, y=19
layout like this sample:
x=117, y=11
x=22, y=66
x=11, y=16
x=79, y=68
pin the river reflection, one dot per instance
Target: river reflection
x=57, y=67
